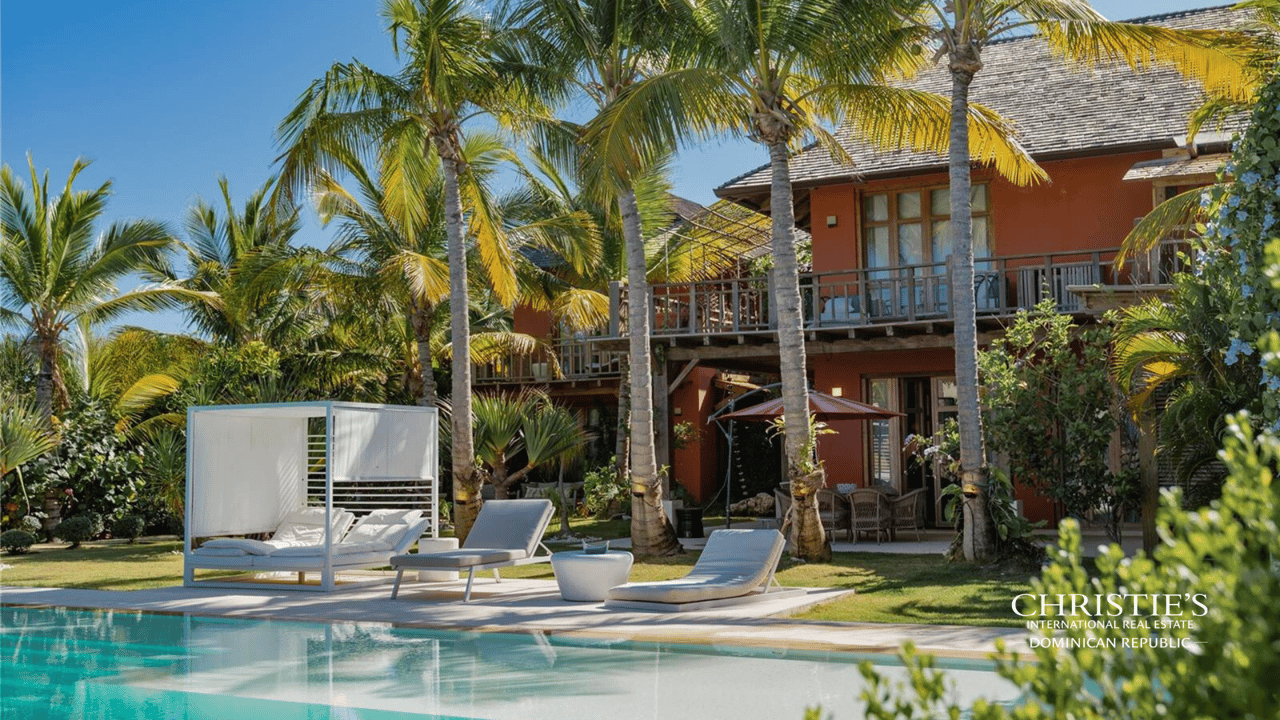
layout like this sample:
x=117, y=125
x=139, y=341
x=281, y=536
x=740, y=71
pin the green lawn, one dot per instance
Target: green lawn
x=890, y=588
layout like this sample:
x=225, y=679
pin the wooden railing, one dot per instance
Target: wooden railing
x=909, y=293
x=567, y=360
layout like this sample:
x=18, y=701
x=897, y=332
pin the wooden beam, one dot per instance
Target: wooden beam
x=828, y=347
x=684, y=373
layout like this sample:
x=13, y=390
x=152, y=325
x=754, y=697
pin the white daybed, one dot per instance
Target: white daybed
x=303, y=472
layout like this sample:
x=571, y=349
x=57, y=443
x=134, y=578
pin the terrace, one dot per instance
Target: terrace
x=854, y=304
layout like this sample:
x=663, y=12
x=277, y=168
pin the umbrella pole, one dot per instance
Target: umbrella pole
x=728, y=482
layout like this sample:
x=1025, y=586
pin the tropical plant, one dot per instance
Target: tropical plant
x=1077, y=32
x=1208, y=654
x=53, y=272
x=447, y=78
x=94, y=468
x=23, y=438
x=604, y=493
x=1051, y=409
x=772, y=71
x=1195, y=353
x=526, y=422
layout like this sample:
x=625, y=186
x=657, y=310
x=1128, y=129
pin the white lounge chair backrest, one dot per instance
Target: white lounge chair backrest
x=306, y=527
x=748, y=555
x=510, y=525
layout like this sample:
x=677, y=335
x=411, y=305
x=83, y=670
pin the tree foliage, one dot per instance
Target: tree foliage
x=1050, y=408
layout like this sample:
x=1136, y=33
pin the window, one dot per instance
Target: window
x=886, y=441
x=911, y=227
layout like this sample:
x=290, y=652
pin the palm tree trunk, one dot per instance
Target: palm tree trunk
x=466, y=491
x=977, y=543
x=651, y=533
x=46, y=382
x=808, y=541
x=422, y=335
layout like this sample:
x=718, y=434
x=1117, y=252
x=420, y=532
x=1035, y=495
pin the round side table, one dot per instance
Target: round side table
x=587, y=578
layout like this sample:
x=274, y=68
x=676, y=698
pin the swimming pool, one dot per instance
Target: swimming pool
x=61, y=663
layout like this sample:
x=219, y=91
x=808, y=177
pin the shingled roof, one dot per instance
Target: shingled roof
x=1060, y=110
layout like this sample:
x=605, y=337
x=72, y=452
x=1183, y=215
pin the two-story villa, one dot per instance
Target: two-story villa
x=877, y=299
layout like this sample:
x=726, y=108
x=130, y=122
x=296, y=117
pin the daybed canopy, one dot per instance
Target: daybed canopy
x=253, y=468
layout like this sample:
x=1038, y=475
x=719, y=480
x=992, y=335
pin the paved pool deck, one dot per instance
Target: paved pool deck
x=523, y=605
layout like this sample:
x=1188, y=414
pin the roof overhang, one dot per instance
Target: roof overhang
x=1178, y=169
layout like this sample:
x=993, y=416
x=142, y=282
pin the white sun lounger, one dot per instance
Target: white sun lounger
x=506, y=533
x=736, y=566
x=298, y=543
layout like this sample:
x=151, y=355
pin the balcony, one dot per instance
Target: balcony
x=565, y=361
x=885, y=301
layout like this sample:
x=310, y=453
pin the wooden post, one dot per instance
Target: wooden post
x=615, y=311
x=662, y=421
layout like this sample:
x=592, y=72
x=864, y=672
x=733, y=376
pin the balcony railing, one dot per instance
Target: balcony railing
x=892, y=295
x=567, y=360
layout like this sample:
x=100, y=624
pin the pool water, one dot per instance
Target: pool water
x=61, y=663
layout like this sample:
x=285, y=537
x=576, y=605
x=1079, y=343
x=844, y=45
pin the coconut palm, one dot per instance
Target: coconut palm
x=23, y=437
x=772, y=70
x=1081, y=35
x=247, y=258
x=594, y=50
x=54, y=272
x=447, y=79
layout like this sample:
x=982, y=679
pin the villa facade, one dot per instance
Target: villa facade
x=878, y=314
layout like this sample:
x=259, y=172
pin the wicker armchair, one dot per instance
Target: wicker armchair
x=834, y=512
x=871, y=513
x=908, y=511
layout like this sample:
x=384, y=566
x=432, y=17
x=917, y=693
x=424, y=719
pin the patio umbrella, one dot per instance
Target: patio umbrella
x=821, y=405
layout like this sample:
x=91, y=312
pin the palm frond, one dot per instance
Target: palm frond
x=1177, y=215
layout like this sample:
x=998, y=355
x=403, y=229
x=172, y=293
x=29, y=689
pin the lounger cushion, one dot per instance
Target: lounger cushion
x=734, y=563
x=464, y=558
x=342, y=548
x=242, y=546
x=219, y=552
x=510, y=525
x=382, y=525
x=306, y=527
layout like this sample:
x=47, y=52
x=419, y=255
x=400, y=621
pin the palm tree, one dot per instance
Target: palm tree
x=54, y=273
x=772, y=70
x=401, y=249
x=447, y=79
x=1081, y=35
x=246, y=257
x=596, y=49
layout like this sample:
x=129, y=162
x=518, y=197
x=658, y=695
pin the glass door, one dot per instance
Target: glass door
x=945, y=407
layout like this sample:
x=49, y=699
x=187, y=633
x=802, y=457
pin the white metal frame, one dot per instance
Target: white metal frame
x=331, y=566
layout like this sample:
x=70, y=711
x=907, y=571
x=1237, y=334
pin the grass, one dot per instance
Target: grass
x=890, y=588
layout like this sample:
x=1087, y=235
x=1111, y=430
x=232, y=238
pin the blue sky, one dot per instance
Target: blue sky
x=165, y=95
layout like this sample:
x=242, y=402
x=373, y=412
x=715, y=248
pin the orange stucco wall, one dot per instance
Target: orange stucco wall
x=844, y=454
x=694, y=465
x=532, y=322
x=1085, y=205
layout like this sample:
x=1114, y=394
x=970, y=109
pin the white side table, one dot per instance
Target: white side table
x=429, y=545
x=587, y=578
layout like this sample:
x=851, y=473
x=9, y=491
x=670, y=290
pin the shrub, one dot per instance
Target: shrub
x=16, y=542
x=30, y=523
x=76, y=530
x=604, y=492
x=128, y=526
